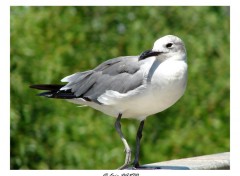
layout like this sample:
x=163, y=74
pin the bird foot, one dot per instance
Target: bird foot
x=138, y=167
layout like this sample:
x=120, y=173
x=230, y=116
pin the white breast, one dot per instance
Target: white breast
x=166, y=85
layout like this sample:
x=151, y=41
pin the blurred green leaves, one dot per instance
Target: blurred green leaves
x=48, y=43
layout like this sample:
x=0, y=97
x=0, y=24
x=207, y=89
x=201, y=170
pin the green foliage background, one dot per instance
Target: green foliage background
x=48, y=43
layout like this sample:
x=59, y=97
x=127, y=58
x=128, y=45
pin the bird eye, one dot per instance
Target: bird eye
x=169, y=45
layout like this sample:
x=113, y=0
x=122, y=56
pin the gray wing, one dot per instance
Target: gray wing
x=120, y=74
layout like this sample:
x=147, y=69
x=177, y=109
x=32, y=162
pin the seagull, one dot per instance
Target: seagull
x=129, y=86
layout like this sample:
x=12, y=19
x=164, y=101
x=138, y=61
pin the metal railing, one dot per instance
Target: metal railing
x=220, y=161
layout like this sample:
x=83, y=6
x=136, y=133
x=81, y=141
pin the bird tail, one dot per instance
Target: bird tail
x=53, y=91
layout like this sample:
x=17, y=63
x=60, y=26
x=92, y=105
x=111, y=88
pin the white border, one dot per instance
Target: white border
x=119, y=173
x=5, y=83
x=118, y=3
x=235, y=87
x=5, y=87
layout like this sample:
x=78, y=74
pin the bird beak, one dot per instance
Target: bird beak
x=148, y=53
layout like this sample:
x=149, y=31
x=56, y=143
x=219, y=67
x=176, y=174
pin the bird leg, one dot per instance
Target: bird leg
x=138, y=138
x=127, y=148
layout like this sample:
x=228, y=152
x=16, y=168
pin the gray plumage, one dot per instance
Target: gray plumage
x=93, y=83
x=130, y=86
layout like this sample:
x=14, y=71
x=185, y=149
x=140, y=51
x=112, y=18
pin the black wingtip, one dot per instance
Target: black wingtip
x=53, y=91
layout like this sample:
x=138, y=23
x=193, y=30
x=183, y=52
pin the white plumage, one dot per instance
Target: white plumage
x=129, y=86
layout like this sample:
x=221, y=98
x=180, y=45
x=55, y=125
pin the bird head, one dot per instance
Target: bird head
x=165, y=48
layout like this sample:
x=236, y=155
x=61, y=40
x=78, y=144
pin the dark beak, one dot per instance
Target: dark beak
x=148, y=53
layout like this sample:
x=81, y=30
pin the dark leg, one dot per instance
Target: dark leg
x=138, y=138
x=127, y=148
